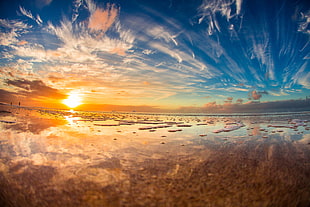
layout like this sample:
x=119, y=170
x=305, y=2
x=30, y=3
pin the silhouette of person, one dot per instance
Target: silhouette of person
x=18, y=103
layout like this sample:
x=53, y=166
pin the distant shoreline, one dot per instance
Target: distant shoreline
x=215, y=114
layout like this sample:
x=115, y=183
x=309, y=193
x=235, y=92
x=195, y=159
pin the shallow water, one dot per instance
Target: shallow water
x=69, y=158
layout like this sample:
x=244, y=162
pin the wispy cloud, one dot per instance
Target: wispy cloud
x=209, y=11
x=305, y=80
x=76, y=6
x=42, y=3
x=304, y=22
x=158, y=32
x=302, y=76
x=11, y=30
x=28, y=14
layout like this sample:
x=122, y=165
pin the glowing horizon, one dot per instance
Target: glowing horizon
x=73, y=100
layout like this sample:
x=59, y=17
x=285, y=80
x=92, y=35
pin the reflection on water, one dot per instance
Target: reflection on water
x=67, y=158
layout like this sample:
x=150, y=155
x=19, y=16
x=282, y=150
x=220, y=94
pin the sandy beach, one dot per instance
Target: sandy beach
x=74, y=158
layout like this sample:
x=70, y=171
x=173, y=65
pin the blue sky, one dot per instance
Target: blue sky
x=161, y=54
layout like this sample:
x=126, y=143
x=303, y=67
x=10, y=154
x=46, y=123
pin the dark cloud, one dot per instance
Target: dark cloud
x=7, y=97
x=29, y=92
x=35, y=88
x=277, y=106
x=229, y=100
x=251, y=106
x=239, y=101
x=256, y=95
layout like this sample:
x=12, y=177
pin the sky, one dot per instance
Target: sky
x=156, y=55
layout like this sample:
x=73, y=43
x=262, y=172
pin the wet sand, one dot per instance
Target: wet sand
x=63, y=158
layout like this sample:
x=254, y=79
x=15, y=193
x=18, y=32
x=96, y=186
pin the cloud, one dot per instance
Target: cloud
x=255, y=95
x=14, y=25
x=239, y=101
x=171, y=52
x=280, y=92
x=90, y=5
x=158, y=32
x=101, y=20
x=302, y=76
x=10, y=30
x=22, y=42
x=211, y=105
x=148, y=52
x=28, y=14
x=229, y=100
x=42, y=3
x=8, y=38
x=88, y=40
x=305, y=80
x=251, y=107
x=304, y=21
x=79, y=44
x=210, y=10
x=7, y=96
x=34, y=89
x=76, y=6
x=276, y=106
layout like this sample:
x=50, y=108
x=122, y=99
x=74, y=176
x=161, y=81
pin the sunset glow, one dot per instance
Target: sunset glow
x=73, y=100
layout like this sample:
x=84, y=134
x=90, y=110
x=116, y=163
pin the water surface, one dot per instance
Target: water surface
x=69, y=158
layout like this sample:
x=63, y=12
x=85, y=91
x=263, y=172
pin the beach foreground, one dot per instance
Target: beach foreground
x=69, y=158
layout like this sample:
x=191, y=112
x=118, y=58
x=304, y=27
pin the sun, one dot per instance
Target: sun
x=73, y=100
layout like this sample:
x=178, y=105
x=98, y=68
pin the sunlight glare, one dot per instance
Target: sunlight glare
x=73, y=100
